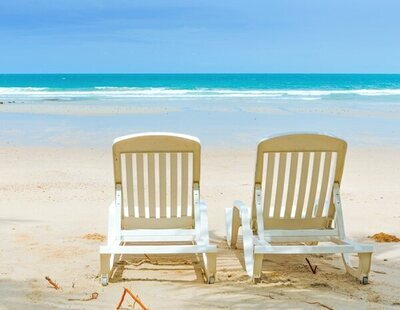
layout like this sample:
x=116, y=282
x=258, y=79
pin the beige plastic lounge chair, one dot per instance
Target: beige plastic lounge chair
x=157, y=201
x=296, y=200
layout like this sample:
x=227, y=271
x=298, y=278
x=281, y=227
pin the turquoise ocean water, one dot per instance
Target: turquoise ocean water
x=230, y=110
x=272, y=86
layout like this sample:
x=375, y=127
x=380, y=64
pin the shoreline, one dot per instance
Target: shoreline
x=216, y=123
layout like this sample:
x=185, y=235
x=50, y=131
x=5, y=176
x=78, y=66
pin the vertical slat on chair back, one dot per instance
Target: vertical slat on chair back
x=296, y=174
x=157, y=173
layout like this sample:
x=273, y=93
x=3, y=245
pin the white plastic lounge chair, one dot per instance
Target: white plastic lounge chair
x=157, y=201
x=296, y=200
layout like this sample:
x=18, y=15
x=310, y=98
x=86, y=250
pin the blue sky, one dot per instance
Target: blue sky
x=199, y=36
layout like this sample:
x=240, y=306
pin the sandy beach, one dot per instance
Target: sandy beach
x=54, y=199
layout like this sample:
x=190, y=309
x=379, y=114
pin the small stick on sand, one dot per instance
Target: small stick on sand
x=141, y=262
x=150, y=261
x=313, y=269
x=93, y=296
x=122, y=299
x=318, y=303
x=146, y=260
x=136, y=299
x=53, y=284
x=155, y=262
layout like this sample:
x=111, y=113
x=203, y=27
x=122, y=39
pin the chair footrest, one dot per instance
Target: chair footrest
x=158, y=249
x=318, y=249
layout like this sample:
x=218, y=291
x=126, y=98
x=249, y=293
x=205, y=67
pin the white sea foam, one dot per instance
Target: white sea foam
x=160, y=92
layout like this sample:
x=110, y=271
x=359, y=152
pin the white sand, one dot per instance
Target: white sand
x=151, y=106
x=51, y=198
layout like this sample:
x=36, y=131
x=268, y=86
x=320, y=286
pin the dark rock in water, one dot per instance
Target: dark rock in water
x=1, y=102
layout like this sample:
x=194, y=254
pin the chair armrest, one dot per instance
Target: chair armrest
x=241, y=206
x=244, y=216
x=201, y=222
x=238, y=215
x=111, y=223
x=114, y=217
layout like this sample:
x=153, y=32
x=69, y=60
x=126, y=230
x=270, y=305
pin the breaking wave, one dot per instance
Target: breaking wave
x=134, y=92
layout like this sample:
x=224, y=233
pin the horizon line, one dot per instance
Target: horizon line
x=202, y=73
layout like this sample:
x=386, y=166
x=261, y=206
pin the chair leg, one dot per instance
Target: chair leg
x=105, y=268
x=364, y=266
x=210, y=266
x=258, y=260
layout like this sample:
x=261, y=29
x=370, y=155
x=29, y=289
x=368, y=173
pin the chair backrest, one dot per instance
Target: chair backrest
x=295, y=174
x=157, y=172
